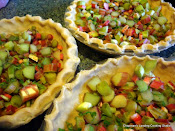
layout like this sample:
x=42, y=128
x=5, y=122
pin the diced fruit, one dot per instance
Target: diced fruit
x=108, y=98
x=80, y=123
x=29, y=72
x=142, y=86
x=92, y=84
x=140, y=9
x=24, y=48
x=50, y=77
x=162, y=20
x=9, y=45
x=3, y=55
x=29, y=92
x=16, y=101
x=46, y=51
x=84, y=107
x=92, y=98
x=157, y=96
x=112, y=128
x=139, y=71
x=104, y=89
x=131, y=106
x=147, y=95
x=106, y=110
x=89, y=127
x=93, y=119
x=50, y=67
x=150, y=65
x=120, y=79
x=119, y=101
x=146, y=19
x=157, y=84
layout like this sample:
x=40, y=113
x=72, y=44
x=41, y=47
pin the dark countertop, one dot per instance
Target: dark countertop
x=55, y=9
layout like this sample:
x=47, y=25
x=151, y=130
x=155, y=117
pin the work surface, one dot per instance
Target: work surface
x=55, y=10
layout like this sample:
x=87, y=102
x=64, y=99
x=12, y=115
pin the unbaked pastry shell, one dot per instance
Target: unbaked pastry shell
x=71, y=61
x=71, y=93
x=167, y=10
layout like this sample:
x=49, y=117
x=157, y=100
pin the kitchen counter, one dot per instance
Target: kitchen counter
x=55, y=10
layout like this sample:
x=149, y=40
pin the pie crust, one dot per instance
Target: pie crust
x=71, y=61
x=167, y=10
x=71, y=93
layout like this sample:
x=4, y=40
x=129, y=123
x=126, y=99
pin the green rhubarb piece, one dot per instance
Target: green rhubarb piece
x=127, y=117
x=46, y=61
x=19, y=74
x=3, y=55
x=140, y=9
x=157, y=8
x=147, y=6
x=54, y=43
x=42, y=90
x=136, y=15
x=46, y=51
x=16, y=101
x=93, y=34
x=93, y=83
x=152, y=39
x=113, y=24
x=130, y=23
x=29, y=72
x=13, y=38
x=97, y=16
x=50, y=77
x=25, y=35
x=1, y=68
x=143, y=2
x=80, y=122
x=139, y=71
x=115, y=14
x=147, y=95
x=24, y=48
x=80, y=22
x=11, y=72
x=122, y=20
x=6, y=104
x=150, y=65
x=27, y=82
x=142, y=86
x=9, y=45
x=157, y=96
x=126, y=6
x=81, y=3
x=92, y=98
x=33, y=48
x=131, y=106
x=149, y=121
x=104, y=89
x=103, y=30
x=162, y=20
x=84, y=107
x=17, y=85
x=106, y=110
x=128, y=86
x=145, y=34
x=151, y=12
x=124, y=43
x=28, y=104
x=108, y=17
x=89, y=127
x=117, y=37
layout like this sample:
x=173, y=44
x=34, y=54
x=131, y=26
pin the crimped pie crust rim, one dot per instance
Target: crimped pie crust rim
x=68, y=88
x=114, y=49
x=25, y=115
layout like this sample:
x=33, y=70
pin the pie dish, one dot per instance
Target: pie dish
x=72, y=93
x=66, y=71
x=106, y=42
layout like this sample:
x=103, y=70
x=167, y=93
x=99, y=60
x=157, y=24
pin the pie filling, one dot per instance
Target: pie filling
x=29, y=63
x=139, y=102
x=129, y=22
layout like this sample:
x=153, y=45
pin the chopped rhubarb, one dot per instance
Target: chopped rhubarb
x=157, y=84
